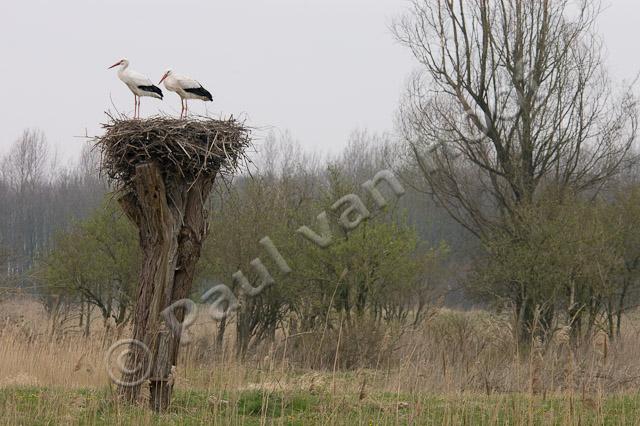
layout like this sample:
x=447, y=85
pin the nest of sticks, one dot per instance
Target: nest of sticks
x=183, y=149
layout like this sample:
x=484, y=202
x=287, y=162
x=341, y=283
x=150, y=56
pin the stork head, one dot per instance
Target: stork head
x=166, y=74
x=123, y=61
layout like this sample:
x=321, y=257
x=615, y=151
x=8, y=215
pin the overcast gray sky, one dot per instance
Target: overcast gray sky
x=319, y=68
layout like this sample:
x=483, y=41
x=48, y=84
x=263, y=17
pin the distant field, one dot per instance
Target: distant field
x=31, y=406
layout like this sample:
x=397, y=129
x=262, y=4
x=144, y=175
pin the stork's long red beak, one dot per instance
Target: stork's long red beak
x=163, y=77
x=115, y=65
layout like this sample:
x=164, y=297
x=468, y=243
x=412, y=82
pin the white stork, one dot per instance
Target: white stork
x=186, y=88
x=137, y=83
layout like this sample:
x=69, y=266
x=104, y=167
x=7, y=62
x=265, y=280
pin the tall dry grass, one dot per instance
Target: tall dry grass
x=451, y=353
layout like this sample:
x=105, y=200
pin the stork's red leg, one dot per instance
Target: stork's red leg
x=138, y=106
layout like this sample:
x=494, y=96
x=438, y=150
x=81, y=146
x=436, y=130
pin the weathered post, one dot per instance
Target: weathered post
x=164, y=169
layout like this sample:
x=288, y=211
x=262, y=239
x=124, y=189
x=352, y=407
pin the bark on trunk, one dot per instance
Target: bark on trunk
x=171, y=220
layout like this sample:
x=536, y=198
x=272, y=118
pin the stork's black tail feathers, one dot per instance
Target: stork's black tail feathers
x=200, y=91
x=152, y=88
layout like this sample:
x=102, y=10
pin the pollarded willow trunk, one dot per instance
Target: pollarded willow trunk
x=166, y=169
x=160, y=224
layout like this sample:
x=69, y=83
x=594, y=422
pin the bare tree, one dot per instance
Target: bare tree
x=26, y=165
x=512, y=100
x=25, y=172
x=512, y=96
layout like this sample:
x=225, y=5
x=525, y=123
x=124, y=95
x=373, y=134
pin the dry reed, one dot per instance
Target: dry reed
x=456, y=355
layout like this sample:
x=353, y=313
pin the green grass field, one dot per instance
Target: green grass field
x=51, y=406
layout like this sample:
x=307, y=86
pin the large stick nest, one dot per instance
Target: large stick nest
x=183, y=149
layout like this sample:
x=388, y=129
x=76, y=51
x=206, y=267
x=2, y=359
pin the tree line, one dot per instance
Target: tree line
x=38, y=198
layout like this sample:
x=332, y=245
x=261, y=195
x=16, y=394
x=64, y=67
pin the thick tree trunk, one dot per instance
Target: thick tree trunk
x=171, y=220
x=192, y=234
x=147, y=207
